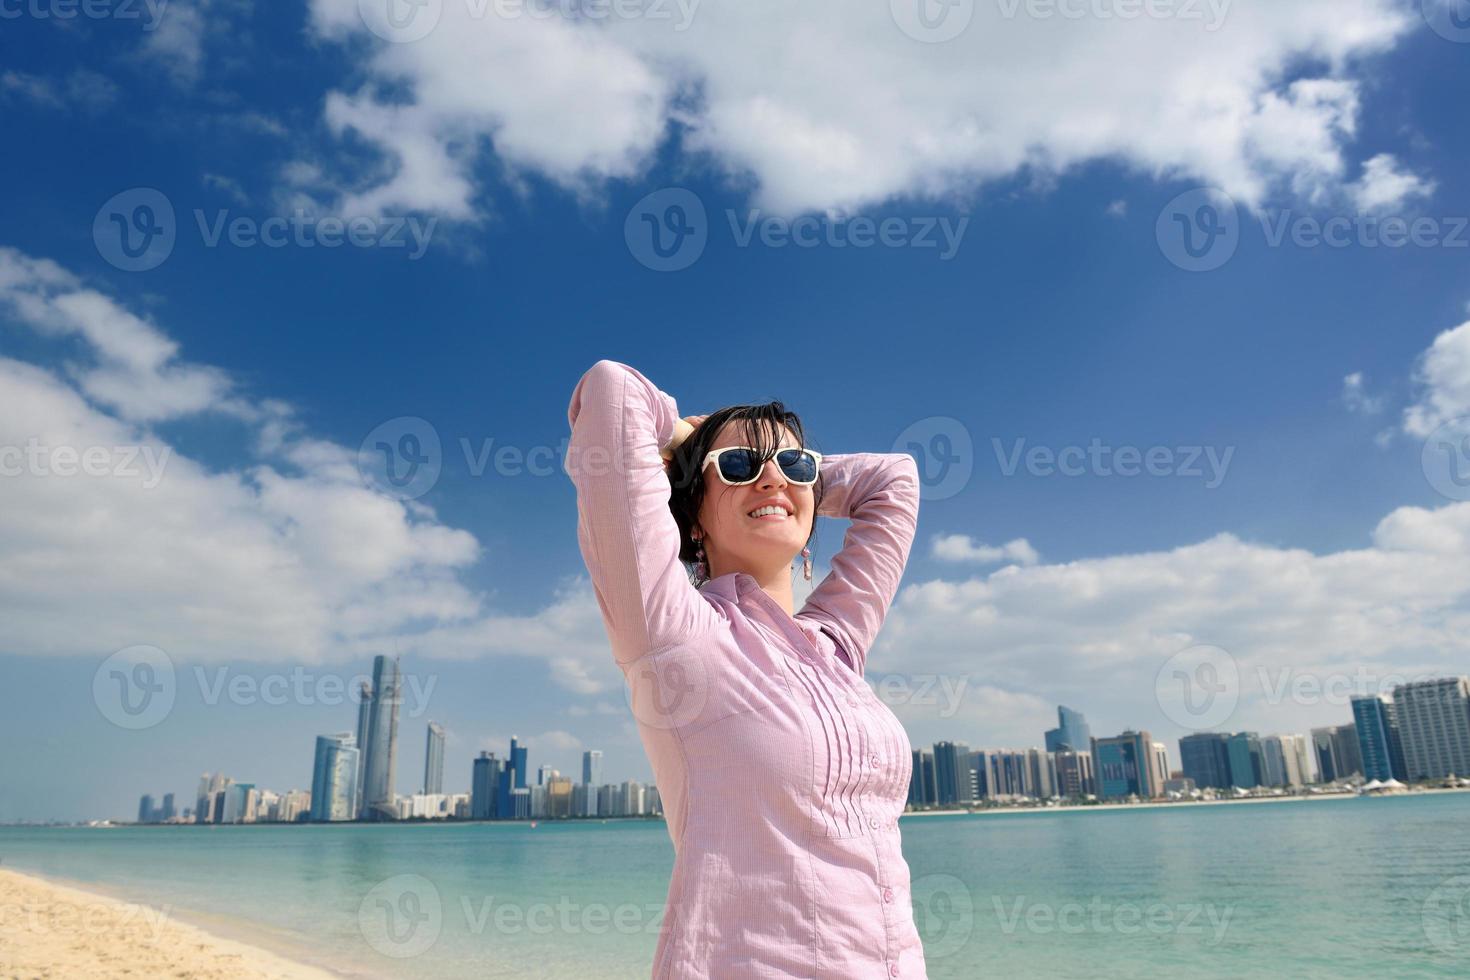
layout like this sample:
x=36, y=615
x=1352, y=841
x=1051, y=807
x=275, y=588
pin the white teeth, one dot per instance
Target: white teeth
x=772, y=509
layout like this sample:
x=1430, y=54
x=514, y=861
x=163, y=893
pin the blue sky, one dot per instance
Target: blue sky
x=1060, y=319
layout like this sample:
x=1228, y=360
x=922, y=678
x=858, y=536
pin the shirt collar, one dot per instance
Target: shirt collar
x=732, y=586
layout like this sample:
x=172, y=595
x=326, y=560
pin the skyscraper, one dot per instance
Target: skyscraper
x=1246, y=767
x=1324, y=748
x=484, y=787
x=434, y=761
x=333, y=775
x=952, y=773
x=1071, y=733
x=1273, y=761
x=1123, y=766
x=1434, y=725
x=512, y=795
x=921, y=791
x=592, y=767
x=145, y=809
x=1345, y=744
x=167, y=813
x=1205, y=758
x=364, y=712
x=380, y=769
x=1074, y=773
x=1379, y=744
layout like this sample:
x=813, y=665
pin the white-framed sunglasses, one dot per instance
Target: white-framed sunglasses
x=739, y=465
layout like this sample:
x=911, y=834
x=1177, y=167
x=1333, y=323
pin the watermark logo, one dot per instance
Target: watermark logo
x=1450, y=19
x=1099, y=916
x=932, y=21
x=401, y=458
x=667, y=230
x=401, y=21
x=149, y=11
x=135, y=687
x=942, y=691
x=1446, y=458
x=666, y=691
x=1199, y=230
x=944, y=913
x=402, y=916
x=135, y=230
x=944, y=451
x=1446, y=915
x=1198, y=687
x=1098, y=459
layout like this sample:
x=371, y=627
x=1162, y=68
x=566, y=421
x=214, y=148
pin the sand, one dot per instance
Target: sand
x=55, y=932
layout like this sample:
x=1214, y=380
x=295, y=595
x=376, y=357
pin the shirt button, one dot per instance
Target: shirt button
x=873, y=822
x=852, y=702
x=888, y=895
x=873, y=761
x=893, y=969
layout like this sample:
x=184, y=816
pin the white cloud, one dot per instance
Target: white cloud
x=1095, y=633
x=1384, y=186
x=830, y=106
x=1443, y=377
x=1355, y=395
x=289, y=558
x=963, y=548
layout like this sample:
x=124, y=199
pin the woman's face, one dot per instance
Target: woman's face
x=733, y=539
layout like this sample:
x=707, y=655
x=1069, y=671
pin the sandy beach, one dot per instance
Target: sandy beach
x=55, y=932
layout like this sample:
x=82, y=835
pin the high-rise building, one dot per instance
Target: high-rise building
x=1324, y=749
x=1041, y=774
x=380, y=769
x=483, y=787
x=1273, y=761
x=592, y=767
x=1246, y=768
x=168, y=812
x=1298, y=755
x=1345, y=745
x=512, y=795
x=145, y=809
x=1205, y=758
x=1071, y=733
x=1074, y=773
x=1123, y=766
x=333, y=776
x=1158, y=756
x=922, y=788
x=434, y=761
x=364, y=716
x=1379, y=745
x=1434, y=727
x=954, y=779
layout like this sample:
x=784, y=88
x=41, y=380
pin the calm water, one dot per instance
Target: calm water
x=1361, y=887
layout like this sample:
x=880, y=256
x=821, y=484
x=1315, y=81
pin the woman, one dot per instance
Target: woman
x=782, y=776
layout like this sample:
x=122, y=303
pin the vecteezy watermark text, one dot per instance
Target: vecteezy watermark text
x=150, y=12
x=137, y=229
x=40, y=459
x=1098, y=459
x=669, y=229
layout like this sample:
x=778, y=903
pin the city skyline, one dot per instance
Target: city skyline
x=1411, y=724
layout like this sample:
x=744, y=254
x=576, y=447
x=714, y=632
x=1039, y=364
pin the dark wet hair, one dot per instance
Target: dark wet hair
x=762, y=422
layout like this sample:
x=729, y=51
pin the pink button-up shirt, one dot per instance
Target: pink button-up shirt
x=782, y=775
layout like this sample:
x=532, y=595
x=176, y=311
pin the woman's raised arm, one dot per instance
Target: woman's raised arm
x=628, y=535
x=879, y=493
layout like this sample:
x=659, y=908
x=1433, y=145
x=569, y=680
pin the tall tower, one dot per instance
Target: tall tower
x=592, y=767
x=434, y=760
x=382, y=745
x=364, y=712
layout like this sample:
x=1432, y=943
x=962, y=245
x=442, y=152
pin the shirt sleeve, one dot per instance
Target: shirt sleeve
x=879, y=494
x=628, y=535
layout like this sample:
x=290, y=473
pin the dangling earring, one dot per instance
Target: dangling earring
x=701, y=567
x=806, y=564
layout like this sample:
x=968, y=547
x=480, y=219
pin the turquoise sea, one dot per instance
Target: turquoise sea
x=1325, y=888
